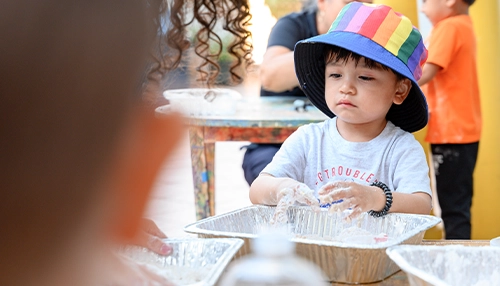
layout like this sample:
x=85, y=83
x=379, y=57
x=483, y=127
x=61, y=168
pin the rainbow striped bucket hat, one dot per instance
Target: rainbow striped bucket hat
x=376, y=32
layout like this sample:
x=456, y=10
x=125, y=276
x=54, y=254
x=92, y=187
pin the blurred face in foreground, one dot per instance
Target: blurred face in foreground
x=75, y=174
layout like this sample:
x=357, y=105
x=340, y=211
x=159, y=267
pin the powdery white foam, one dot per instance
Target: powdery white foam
x=351, y=235
x=182, y=275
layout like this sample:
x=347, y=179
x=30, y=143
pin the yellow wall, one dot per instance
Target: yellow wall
x=405, y=7
x=486, y=200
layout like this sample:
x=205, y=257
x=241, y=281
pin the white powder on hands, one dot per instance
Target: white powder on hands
x=289, y=196
x=328, y=198
x=284, y=204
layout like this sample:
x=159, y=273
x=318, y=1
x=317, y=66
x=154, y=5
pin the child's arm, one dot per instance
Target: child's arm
x=268, y=190
x=265, y=188
x=428, y=73
x=415, y=203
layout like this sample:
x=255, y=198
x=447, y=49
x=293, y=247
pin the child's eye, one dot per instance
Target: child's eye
x=366, y=78
x=335, y=75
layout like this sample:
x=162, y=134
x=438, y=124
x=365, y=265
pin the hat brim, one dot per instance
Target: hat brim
x=411, y=115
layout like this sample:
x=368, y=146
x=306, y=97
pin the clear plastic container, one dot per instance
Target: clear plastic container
x=495, y=241
x=273, y=262
x=203, y=101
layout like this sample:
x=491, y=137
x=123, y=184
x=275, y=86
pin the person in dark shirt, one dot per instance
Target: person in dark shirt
x=277, y=71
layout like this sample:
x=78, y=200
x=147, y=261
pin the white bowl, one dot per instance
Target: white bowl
x=203, y=101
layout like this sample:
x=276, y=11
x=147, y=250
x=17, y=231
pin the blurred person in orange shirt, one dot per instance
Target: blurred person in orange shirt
x=450, y=82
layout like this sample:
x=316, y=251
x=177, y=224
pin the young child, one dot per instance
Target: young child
x=277, y=73
x=454, y=130
x=79, y=150
x=363, y=74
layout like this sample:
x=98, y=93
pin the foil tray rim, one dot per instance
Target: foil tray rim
x=234, y=244
x=194, y=229
x=395, y=254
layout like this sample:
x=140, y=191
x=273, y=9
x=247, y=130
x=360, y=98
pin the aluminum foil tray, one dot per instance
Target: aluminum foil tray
x=448, y=265
x=347, y=262
x=193, y=261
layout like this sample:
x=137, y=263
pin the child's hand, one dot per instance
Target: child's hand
x=288, y=196
x=359, y=198
x=301, y=193
x=150, y=236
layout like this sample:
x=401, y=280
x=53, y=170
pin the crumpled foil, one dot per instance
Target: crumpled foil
x=448, y=265
x=341, y=261
x=194, y=261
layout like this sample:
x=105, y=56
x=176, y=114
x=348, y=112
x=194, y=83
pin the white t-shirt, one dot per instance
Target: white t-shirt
x=316, y=154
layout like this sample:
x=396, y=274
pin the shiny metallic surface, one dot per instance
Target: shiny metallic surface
x=448, y=265
x=314, y=234
x=194, y=261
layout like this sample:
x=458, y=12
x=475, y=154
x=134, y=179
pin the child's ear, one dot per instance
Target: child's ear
x=451, y=3
x=150, y=141
x=402, y=90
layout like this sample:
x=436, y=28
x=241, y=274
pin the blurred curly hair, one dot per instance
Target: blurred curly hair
x=169, y=18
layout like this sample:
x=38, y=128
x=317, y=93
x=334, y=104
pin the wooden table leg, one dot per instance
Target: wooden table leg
x=210, y=163
x=199, y=169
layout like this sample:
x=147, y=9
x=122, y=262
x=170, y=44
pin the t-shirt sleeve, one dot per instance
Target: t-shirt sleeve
x=286, y=33
x=290, y=160
x=441, y=44
x=412, y=171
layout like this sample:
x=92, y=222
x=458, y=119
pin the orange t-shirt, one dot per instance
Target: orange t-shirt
x=453, y=94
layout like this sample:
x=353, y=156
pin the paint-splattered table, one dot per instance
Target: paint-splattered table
x=256, y=119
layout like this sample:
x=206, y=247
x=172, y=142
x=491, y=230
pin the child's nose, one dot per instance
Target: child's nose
x=347, y=86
